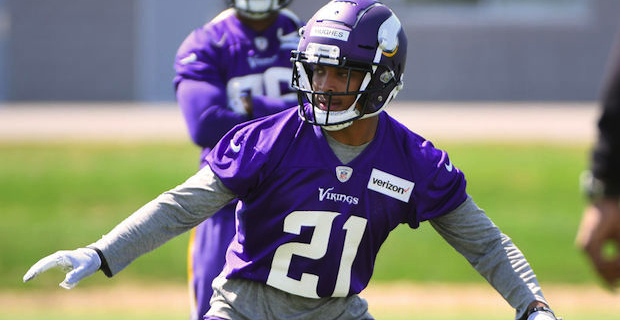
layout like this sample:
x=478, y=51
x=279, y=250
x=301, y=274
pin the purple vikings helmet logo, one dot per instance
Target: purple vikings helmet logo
x=359, y=35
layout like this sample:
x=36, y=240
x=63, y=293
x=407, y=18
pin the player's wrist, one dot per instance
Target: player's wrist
x=104, y=267
x=543, y=311
x=596, y=189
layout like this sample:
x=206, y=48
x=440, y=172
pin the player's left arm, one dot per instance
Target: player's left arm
x=492, y=253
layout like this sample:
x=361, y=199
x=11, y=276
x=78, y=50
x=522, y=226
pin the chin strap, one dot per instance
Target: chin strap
x=336, y=127
x=321, y=116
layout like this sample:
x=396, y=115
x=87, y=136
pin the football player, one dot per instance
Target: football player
x=234, y=68
x=320, y=189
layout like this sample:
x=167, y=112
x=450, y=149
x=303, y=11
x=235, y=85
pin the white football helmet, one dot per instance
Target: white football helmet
x=258, y=9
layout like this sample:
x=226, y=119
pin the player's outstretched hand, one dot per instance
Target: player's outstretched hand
x=600, y=225
x=78, y=264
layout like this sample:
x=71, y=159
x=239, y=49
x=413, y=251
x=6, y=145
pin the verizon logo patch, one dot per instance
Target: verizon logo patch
x=390, y=185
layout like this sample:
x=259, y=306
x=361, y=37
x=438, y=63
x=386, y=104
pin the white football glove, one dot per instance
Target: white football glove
x=239, y=101
x=542, y=315
x=78, y=264
x=238, y=106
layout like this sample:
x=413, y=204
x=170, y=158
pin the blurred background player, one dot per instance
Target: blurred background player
x=233, y=69
x=600, y=223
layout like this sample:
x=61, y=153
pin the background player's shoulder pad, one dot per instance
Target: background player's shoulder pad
x=222, y=16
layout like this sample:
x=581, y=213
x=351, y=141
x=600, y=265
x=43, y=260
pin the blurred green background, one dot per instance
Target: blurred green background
x=66, y=195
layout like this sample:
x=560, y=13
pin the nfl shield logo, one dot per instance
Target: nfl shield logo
x=343, y=173
x=261, y=43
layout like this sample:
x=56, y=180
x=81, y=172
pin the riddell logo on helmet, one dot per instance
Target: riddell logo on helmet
x=331, y=33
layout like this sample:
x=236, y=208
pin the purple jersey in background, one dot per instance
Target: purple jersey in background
x=311, y=225
x=217, y=66
x=234, y=61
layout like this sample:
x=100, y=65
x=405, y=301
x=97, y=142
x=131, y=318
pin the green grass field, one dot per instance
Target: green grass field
x=65, y=195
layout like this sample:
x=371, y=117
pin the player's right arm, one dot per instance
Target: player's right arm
x=165, y=217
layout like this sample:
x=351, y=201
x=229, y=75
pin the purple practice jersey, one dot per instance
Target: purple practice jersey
x=312, y=226
x=231, y=60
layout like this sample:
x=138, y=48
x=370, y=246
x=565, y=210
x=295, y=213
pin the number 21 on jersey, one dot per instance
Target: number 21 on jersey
x=322, y=222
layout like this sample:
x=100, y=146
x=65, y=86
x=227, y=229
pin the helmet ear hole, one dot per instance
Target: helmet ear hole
x=386, y=76
x=379, y=88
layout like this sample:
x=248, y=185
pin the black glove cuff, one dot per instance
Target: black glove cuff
x=104, y=264
x=543, y=309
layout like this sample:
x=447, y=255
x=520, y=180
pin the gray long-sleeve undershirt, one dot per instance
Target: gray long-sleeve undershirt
x=467, y=229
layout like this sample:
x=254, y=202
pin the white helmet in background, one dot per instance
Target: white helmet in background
x=258, y=9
